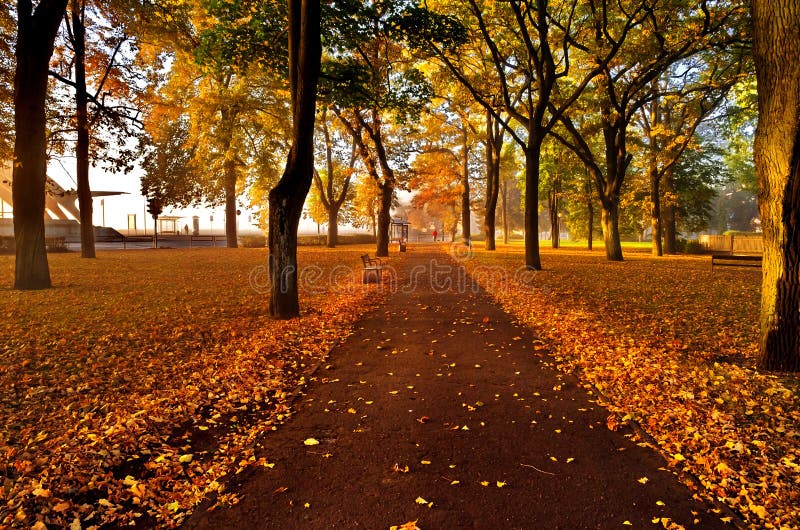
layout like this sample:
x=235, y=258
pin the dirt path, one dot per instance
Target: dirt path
x=440, y=410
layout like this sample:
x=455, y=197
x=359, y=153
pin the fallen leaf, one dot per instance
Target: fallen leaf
x=411, y=525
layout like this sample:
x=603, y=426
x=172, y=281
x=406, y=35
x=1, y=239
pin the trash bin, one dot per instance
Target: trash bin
x=402, y=245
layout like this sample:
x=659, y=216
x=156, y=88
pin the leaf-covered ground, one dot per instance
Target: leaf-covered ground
x=143, y=379
x=671, y=346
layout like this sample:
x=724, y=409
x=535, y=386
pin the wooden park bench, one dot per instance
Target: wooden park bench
x=735, y=260
x=373, y=270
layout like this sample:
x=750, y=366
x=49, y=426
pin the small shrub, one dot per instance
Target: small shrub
x=356, y=239
x=256, y=241
x=689, y=246
x=310, y=241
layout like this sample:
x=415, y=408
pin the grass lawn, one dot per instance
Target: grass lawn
x=143, y=377
x=597, y=244
x=670, y=345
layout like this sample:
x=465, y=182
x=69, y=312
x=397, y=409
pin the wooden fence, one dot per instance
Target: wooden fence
x=735, y=244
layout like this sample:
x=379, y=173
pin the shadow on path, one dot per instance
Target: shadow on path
x=439, y=409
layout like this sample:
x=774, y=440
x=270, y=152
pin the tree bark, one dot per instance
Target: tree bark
x=494, y=144
x=228, y=117
x=85, y=203
x=776, y=35
x=655, y=209
x=36, y=32
x=231, y=235
x=532, y=155
x=552, y=204
x=333, y=226
x=287, y=197
x=610, y=222
x=465, y=204
x=590, y=209
x=384, y=219
x=668, y=221
x=617, y=160
x=504, y=202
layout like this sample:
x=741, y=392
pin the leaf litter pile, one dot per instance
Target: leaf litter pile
x=670, y=346
x=135, y=386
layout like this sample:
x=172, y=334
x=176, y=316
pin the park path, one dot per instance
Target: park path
x=439, y=409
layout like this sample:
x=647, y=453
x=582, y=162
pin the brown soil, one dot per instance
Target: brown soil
x=443, y=383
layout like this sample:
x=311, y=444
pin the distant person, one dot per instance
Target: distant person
x=186, y=229
x=435, y=233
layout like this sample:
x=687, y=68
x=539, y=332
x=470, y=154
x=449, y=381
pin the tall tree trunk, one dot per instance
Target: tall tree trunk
x=228, y=117
x=668, y=221
x=85, y=205
x=776, y=26
x=494, y=143
x=610, y=222
x=231, y=236
x=590, y=209
x=655, y=209
x=504, y=199
x=333, y=226
x=384, y=219
x=465, y=206
x=36, y=32
x=552, y=204
x=614, y=128
x=533, y=151
x=287, y=197
x=489, y=224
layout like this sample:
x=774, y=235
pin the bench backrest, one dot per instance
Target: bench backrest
x=365, y=260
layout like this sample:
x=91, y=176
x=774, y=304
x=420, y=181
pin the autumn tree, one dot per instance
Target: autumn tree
x=496, y=186
x=95, y=62
x=332, y=185
x=680, y=101
x=648, y=41
x=510, y=197
x=521, y=37
x=226, y=80
x=36, y=33
x=449, y=133
x=776, y=50
x=372, y=82
x=287, y=197
x=438, y=186
x=169, y=165
x=366, y=203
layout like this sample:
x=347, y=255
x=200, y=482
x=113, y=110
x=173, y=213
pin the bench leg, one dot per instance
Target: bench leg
x=371, y=276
